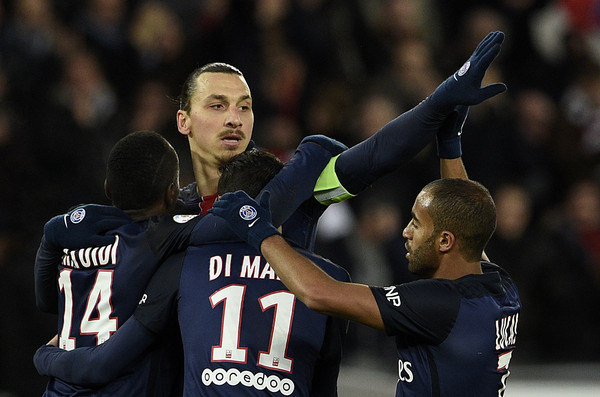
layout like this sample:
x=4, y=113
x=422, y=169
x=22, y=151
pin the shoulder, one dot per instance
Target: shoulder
x=437, y=293
x=189, y=199
x=424, y=308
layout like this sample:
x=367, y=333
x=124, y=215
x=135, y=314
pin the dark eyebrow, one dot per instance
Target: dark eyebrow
x=221, y=97
x=414, y=216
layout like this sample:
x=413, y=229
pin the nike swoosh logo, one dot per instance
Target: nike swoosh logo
x=253, y=222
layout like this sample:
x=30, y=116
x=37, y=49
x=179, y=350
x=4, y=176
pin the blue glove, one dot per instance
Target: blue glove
x=448, y=136
x=249, y=219
x=464, y=86
x=85, y=226
x=329, y=144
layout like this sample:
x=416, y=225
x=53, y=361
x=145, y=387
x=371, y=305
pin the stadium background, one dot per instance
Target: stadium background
x=76, y=75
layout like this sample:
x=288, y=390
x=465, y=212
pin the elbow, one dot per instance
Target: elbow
x=314, y=298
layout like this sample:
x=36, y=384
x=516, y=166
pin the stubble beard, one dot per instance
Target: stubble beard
x=422, y=261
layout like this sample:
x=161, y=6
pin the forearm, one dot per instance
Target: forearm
x=394, y=145
x=453, y=168
x=302, y=277
x=316, y=289
x=99, y=364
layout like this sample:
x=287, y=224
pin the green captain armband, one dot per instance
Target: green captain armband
x=328, y=189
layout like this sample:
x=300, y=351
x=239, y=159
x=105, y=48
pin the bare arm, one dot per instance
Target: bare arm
x=316, y=289
x=453, y=168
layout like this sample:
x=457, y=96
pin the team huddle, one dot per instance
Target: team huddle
x=214, y=289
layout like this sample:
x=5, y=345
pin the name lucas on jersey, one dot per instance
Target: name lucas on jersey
x=253, y=266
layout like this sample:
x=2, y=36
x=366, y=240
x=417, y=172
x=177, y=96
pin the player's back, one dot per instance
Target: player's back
x=244, y=333
x=100, y=287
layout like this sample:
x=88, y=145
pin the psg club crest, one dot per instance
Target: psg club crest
x=464, y=68
x=77, y=215
x=248, y=212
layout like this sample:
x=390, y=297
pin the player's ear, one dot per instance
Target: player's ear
x=171, y=195
x=182, y=122
x=446, y=241
x=107, y=191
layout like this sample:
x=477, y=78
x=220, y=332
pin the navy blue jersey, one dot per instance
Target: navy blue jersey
x=454, y=337
x=243, y=331
x=100, y=287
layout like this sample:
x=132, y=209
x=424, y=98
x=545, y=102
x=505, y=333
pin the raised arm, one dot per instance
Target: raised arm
x=404, y=137
x=450, y=149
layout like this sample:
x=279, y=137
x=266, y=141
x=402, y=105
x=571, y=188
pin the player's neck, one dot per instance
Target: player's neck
x=138, y=215
x=455, y=268
x=207, y=179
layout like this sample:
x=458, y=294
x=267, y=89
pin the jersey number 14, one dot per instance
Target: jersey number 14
x=97, y=316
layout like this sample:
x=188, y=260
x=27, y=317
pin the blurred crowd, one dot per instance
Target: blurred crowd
x=76, y=75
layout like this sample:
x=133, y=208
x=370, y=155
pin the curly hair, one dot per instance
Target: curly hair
x=141, y=166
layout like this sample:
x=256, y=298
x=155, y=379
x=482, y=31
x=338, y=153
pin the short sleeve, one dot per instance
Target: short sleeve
x=424, y=309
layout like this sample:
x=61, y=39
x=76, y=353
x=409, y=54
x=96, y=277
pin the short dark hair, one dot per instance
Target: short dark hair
x=189, y=86
x=249, y=171
x=141, y=166
x=465, y=208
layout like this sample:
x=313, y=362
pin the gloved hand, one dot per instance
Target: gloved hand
x=85, y=226
x=331, y=145
x=464, y=86
x=448, y=136
x=249, y=219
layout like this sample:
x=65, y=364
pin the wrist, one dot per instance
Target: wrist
x=449, y=148
x=259, y=233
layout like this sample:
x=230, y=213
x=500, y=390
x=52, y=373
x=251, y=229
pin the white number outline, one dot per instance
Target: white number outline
x=99, y=300
x=229, y=349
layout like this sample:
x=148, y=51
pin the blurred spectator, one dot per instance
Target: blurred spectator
x=581, y=103
x=28, y=41
x=279, y=135
x=583, y=225
x=567, y=287
x=538, y=166
x=72, y=135
x=103, y=25
x=516, y=246
x=158, y=38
